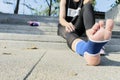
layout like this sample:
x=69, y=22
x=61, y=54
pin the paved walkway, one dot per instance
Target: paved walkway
x=37, y=53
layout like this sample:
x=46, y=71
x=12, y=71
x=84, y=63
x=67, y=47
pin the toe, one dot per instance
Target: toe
x=96, y=27
x=101, y=23
x=108, y=29
x=109, y=24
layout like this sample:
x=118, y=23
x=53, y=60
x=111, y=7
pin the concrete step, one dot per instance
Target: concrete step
x=112, y=48
x=23, y=19
x=116, y=31
x=32, y=45
x=113, y=45
x=41, y=30
x=43, y=38
x=15, y=64
x=27, y=37
x=26, y=29
x=41, y=41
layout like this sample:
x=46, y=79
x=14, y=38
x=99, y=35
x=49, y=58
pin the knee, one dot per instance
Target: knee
x=92, y=60
x=87, y=1
x=87, y=6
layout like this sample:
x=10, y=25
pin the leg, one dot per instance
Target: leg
x=86, y=13
x=69, y=36
x=86, y=18
x=61, y=31
x=98, y=34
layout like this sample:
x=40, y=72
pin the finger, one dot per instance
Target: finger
x=93, y=30
x=72, y=27
x=68, y=30
x=109, y=24
x=101, y=23
x=95, y=27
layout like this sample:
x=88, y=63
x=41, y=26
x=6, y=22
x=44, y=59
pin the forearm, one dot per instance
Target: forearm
x=63, y=22
x=68, y=26
x=62, y=15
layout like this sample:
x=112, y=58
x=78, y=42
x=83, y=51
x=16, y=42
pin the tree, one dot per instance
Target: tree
x=17, y=7
x=49, y=5
x=94, y=2
x=117, y=1
x=52, y=8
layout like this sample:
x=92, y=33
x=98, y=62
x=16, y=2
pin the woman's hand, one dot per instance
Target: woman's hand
x=69, y=27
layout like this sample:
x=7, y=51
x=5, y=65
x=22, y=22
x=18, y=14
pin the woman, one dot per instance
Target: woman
x=77, y=17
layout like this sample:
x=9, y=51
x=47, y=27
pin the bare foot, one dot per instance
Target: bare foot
x=98, y=33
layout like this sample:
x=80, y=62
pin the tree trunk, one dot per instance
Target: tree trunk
x=50, y=6
x=17, y=7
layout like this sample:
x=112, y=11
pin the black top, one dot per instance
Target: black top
x=73, y=5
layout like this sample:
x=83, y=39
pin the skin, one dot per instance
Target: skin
x=97, y=32
x=68, y=25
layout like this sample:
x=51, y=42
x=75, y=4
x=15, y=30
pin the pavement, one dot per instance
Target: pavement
x=37, y=53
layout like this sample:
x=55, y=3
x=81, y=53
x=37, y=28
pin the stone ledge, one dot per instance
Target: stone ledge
x=23, y=19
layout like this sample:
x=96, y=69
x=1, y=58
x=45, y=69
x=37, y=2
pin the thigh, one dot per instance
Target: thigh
x=85, y=19
x=79, y=24
x=88, y=15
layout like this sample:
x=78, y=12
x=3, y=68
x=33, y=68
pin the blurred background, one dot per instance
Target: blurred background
x=47, y=7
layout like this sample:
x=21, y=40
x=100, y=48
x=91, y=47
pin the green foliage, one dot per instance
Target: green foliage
x=94, y=2
x=52, y=8
x=117, y=1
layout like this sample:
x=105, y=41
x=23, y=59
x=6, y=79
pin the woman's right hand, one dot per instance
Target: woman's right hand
x=69, y=27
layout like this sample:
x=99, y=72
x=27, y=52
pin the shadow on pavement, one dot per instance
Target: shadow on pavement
x=108, y=62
